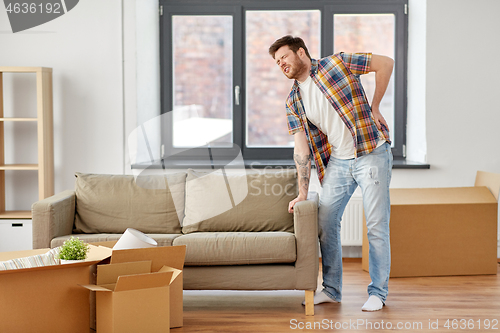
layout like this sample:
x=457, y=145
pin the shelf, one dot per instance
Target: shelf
x=18, y=119
x=19, y=167
x=9, y=69
x=44, y=164
x=16, y=214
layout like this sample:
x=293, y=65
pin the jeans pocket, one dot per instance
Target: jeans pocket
x=381, y=150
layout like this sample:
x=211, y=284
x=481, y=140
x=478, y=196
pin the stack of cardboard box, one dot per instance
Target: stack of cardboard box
x=137, y=290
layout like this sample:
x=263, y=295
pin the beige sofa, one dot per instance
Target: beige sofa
x=238, y=232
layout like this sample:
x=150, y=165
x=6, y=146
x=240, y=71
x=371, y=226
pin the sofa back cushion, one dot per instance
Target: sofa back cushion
x=113, y=203
x=227, y=202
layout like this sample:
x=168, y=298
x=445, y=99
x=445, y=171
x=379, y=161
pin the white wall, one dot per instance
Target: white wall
x=462, y=114
x=416, y=143
x=84, y=48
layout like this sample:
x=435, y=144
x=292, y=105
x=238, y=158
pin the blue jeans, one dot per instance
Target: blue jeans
x=372, y=173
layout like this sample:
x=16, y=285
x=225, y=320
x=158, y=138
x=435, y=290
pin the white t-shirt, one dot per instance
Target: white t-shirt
x=321, y=113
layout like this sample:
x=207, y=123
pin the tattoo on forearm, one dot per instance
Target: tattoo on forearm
x=304, y=169
x=302, y=160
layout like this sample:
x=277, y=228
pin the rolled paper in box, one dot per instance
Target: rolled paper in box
x=134, y=239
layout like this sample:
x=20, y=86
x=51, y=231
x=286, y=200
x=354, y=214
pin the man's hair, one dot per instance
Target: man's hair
x=294, y=43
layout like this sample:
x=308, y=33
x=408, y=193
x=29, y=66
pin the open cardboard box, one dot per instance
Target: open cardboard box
x=46, y=299
x=132, y=298
x=443, y=231
x=143, y=272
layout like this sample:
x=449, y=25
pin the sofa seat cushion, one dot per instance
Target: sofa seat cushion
x=238, y=248
x=241, y=201
x=113, y=203
x=161, y=239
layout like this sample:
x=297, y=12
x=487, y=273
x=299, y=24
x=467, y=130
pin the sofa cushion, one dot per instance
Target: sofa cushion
x=113, y=203
x=251, y=201
x=238, y=248
x=161, y=239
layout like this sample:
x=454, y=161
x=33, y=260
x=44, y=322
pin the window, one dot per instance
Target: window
x=226, y=92
x=202, y=58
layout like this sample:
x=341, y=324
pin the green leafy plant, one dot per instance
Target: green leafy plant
x=74, y=249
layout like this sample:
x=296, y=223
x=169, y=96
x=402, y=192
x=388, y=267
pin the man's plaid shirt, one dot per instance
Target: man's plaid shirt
x=337, y=76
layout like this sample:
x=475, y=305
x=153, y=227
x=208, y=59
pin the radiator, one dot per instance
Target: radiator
x=352, y=223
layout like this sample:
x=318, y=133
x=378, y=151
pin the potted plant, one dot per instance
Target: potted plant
x=73, y=250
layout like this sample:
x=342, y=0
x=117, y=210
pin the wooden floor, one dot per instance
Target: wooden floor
x=465, y=303
x=414, y=303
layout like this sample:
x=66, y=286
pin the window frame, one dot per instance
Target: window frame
x=166, y=77
x=238, y=8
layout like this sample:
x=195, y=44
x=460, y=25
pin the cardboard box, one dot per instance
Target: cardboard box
x=132, y=298
x=169, y=256
x=46, y=299
x=162, y=259
x=441, y=231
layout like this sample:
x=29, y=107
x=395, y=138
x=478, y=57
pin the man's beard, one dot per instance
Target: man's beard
x=296, y=69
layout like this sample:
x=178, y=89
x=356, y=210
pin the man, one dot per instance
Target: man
x=332, y=123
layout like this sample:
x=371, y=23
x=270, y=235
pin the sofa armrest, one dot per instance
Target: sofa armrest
x=53, y=217
x=305, y=218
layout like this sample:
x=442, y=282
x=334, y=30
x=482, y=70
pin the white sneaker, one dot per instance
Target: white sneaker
x=321, y=298
x=373, y=304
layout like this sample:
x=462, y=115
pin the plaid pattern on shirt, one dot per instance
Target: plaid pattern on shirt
x=337, y=76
